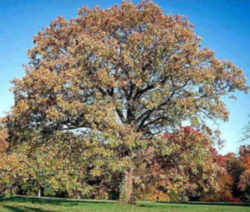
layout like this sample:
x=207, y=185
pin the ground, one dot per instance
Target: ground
x=19, y=204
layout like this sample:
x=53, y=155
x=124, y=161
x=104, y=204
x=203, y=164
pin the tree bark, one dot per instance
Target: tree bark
x=127, y=193
x=40, y=192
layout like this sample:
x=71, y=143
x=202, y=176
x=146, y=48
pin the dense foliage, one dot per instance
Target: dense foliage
x=185, y=172
x=235, y=179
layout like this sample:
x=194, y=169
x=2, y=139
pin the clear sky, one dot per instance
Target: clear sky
x=224, y=26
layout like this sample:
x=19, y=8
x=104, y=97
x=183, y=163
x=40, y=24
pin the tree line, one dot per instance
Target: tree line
x=192, y=171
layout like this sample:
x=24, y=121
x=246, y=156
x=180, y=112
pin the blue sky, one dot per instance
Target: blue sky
x=224, y=26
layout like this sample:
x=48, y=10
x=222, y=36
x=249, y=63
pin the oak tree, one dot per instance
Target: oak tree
x=122, y=74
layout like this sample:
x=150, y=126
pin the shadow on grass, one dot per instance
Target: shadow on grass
x=247, y=204
x=185, y=205
x=64, y=202
x=162, y=206
x=24, y=209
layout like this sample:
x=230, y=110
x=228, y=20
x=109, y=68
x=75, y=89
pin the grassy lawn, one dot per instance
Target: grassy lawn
x=18, y=204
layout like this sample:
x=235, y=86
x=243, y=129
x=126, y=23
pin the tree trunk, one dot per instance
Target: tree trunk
x=40, y=192
x=127, y=191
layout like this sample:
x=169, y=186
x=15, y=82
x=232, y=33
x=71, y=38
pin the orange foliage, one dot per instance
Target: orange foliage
x=3, y=143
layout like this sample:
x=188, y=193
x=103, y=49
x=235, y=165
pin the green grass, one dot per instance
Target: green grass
x=18, y=204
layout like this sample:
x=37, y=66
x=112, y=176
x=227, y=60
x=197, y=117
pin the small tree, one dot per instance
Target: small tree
x=123, y=74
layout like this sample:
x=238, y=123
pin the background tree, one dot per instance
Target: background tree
x=186, y=171
x=246, y=133
x=224, y=179
x=60, y=167
x=12, y=166
x=123, y=74
x=244, y=179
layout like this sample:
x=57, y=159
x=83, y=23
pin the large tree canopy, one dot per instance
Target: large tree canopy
x=122, y=74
